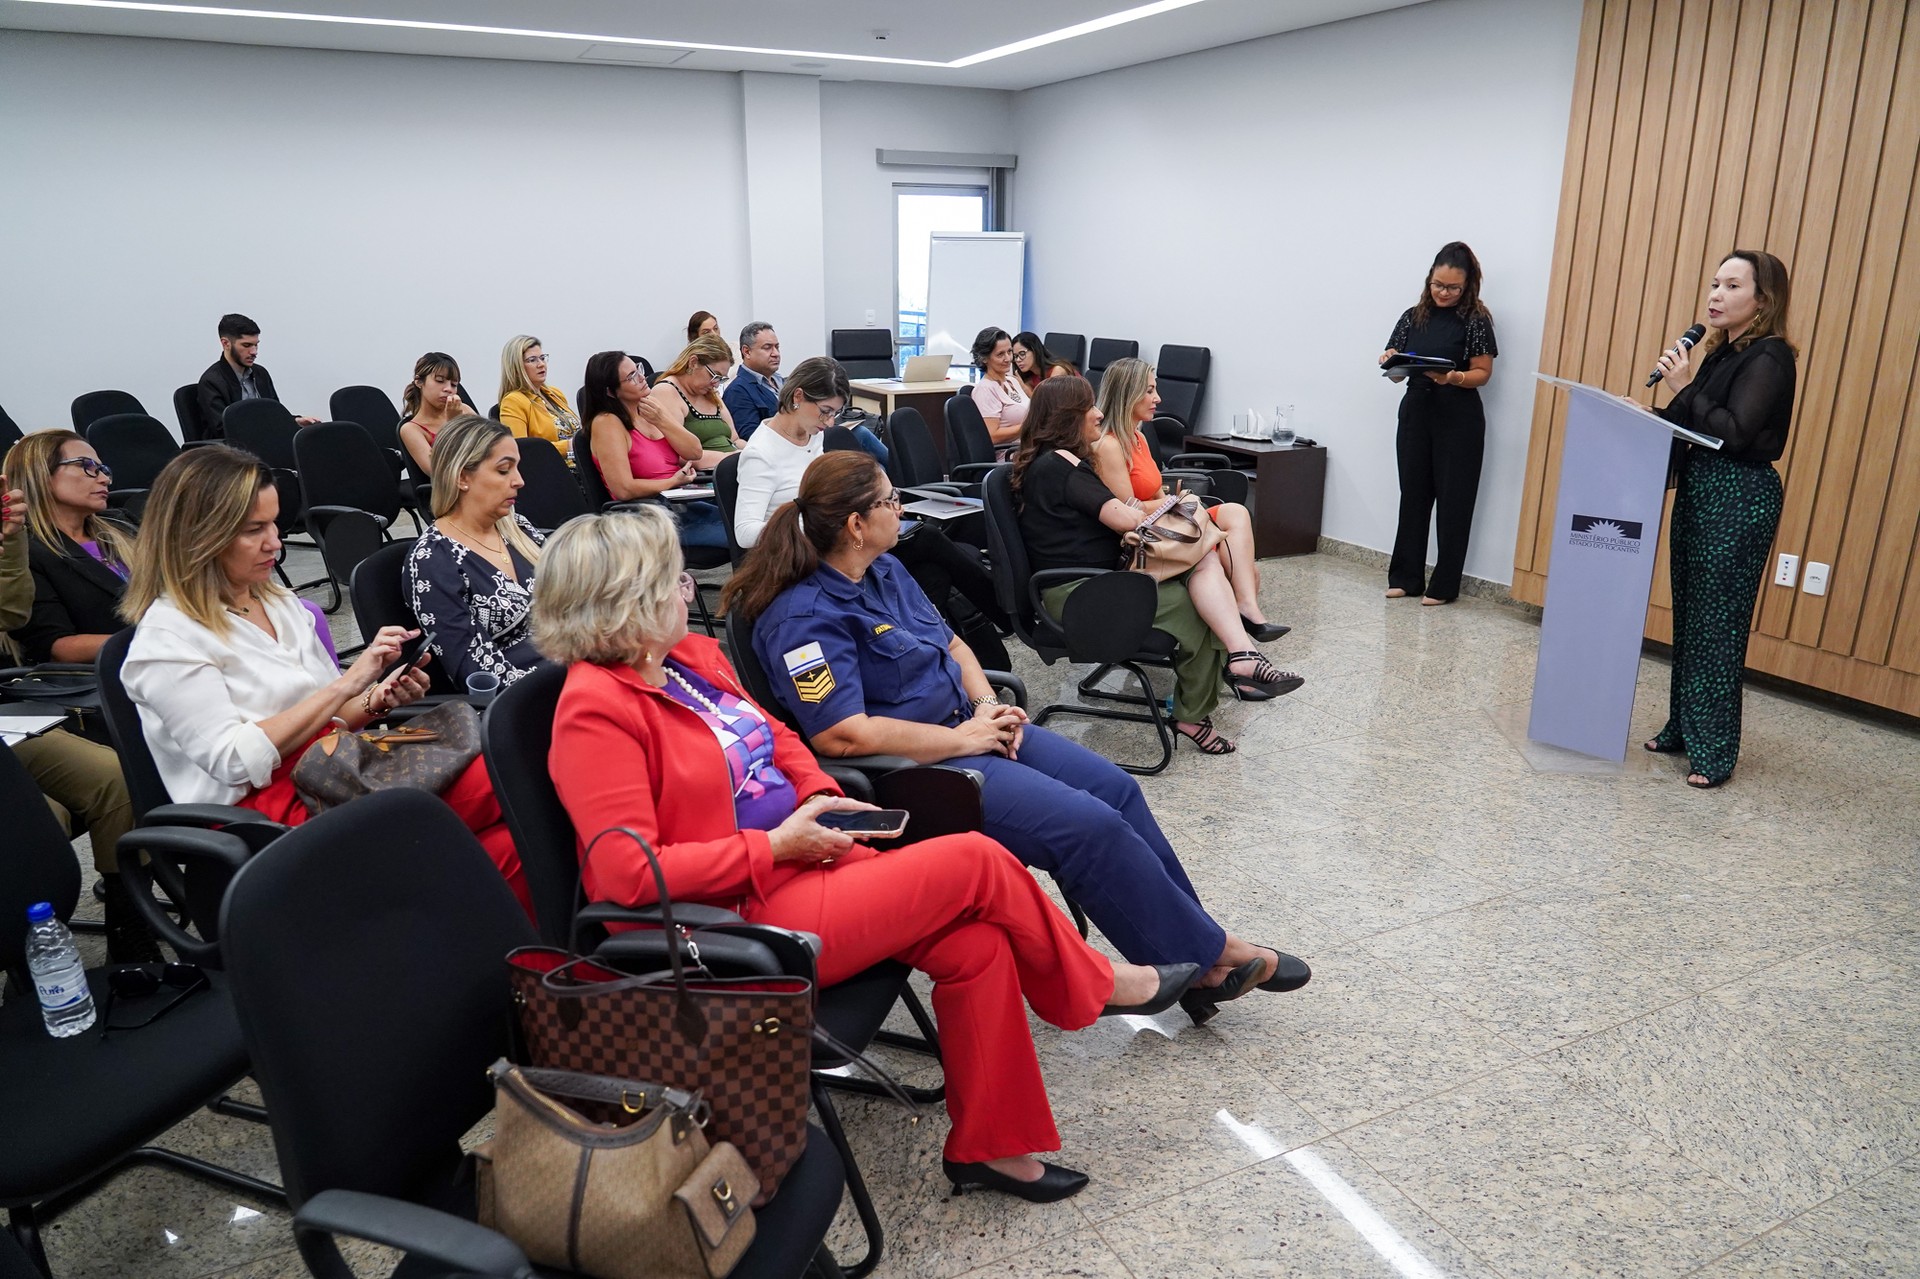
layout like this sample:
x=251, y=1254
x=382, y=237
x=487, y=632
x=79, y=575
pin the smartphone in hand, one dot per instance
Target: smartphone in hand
x=412, y=655
x=883, y=823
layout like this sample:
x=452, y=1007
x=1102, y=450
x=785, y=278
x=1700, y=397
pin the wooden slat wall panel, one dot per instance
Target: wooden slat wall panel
x=1768, y=124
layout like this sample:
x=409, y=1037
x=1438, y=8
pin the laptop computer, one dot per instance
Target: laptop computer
x=926, y=368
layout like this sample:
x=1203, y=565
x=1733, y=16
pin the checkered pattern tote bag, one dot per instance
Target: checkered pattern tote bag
x=743, y=1042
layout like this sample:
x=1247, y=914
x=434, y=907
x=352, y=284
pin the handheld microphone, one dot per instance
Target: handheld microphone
x=1685, y=343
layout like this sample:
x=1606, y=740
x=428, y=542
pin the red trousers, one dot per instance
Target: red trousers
x=962, y=910
x=470, y=797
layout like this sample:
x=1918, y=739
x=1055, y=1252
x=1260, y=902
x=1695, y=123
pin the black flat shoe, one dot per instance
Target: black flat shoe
x=1654, y=746
x=1291, y=974
x=1264, y=632
x=1202, y=1002
x=1174, y=978
x=1055, y=1184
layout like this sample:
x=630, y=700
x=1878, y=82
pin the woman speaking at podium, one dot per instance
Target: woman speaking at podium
x=1443, y=429
x=1728, y=503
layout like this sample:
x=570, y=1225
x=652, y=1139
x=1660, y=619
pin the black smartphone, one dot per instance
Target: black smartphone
x=881, y=823
x=412, y=653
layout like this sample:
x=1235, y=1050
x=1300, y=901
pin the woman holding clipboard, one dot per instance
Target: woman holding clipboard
x=1443, y=428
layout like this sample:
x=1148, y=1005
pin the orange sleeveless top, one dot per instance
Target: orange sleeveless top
x=1143, y=470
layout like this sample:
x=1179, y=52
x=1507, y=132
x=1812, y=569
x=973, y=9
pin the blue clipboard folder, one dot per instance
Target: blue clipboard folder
x=1399, y=367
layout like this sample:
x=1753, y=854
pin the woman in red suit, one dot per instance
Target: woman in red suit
x=654, y=732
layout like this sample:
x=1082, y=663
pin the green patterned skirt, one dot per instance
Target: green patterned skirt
x=1724, y=518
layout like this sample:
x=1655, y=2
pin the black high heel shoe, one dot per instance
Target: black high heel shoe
x=1055, y=1184
x=1267, y=680
x=1174, y=978
x=1263, y=632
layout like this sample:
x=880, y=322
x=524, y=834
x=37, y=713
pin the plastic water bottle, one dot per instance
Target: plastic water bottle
x=66, y=1005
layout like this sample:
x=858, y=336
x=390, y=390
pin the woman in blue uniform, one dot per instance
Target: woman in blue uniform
x=855, y=651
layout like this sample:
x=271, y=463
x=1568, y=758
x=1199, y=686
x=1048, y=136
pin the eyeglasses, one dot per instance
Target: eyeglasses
x=721, y=376
x=92, y=467
x=635, y=377
x=688, y=587
x=1445, y=288
x=137, y=982
x=826, y=409
x=533, y=359
x=891, y=501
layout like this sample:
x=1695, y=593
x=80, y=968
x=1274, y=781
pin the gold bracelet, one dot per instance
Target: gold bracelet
x=366, y=700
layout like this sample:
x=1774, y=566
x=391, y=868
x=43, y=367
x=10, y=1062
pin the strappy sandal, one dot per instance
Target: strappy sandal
x=1207, y=740
x=1266, y=681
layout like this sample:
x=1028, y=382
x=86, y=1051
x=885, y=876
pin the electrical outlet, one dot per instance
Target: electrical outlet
x=1787, y=570
x=1816, y=583
x=870, y=315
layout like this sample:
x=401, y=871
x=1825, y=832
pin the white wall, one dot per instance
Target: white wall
x=855, y=121
x=1251, y=199
x=361, y=208
x=786, y=240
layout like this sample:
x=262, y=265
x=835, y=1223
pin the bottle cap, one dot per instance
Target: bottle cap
x=39, y=912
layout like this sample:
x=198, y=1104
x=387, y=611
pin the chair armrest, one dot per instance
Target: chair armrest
x=198, y=444
x=84, y=669
x=466, y=1246
x=973, y=472
x=1108, y=619
x=728, y=950
x=257, y=830
x=1008, y=682
x=1049, y=577
x=1204, y=461
x=943, y=800
x=853, y=783
x=219, y=850
x=686, y=914
x=942, y=486
x=326, y=513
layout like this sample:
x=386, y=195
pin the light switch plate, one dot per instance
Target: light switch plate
x=870, y=315
x=1816, y=580
x=1786, y=570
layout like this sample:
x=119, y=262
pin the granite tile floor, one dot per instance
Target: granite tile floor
x=1560, y=1024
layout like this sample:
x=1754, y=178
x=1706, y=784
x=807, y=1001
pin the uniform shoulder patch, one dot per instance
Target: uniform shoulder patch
x=812, y=676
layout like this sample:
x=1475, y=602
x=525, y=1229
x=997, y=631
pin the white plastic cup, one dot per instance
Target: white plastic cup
x=482, y=685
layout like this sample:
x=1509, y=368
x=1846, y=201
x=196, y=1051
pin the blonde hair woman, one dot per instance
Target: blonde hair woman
x=689, y=392
x=470, y=576
x=230, y=679
x=655, y=733
x=528, y=405
x=1124, y=461
x=79, y=558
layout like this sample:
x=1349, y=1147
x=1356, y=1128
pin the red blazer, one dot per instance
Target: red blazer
x=626, y=754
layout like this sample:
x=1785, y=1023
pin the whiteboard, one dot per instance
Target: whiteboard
x=975, y=279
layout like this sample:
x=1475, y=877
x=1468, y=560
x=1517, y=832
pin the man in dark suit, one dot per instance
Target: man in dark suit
x=754, y=393
x=235, y=376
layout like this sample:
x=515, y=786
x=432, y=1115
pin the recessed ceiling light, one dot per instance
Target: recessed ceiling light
x=529, y=33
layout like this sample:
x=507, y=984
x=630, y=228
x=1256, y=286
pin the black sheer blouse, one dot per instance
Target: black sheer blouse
x=1060, y=515
x=1446, y=334
x=1744, y=397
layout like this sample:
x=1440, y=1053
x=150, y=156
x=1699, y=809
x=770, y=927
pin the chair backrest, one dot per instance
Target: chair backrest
x=38, y=866
x=379, y=593
x=967, y=438
x=516, y=737
x=753, y=676
x=94, y=405
x=587, y=471
x=551, y=496
x=186, y=411
x=340, y=465
x=1071, y=347
x=864, y=352
x=144, y=785
x=134, y=445
x=1166, y=436
x=726, y=495
x=911, y=457
x=494, y=412
x=1181, y=373
x=263, y=428
x=372, y=408
x=1008, y=551
x=10, y=432
x=839, y=439
x=1104, y=352
x=364, y=956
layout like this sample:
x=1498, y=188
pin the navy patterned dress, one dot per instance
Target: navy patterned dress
x=481, y=619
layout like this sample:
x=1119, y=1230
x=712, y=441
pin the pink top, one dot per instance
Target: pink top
x=1005, y=400
x=650, y=459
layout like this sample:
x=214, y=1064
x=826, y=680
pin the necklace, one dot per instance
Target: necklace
x=478, y=541
x=693, y=692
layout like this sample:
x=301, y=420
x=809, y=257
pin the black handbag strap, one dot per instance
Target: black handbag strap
x=687, y=1017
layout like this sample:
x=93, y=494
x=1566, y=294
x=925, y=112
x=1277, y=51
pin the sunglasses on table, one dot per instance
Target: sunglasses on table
x=138, y=981
x=92, y=467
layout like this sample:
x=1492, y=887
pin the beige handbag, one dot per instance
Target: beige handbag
x=643, y=1199
x=1172, y=537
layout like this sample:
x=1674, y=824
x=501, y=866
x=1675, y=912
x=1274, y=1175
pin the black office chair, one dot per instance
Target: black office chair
x=78, y=1111
x=1071, y=347
x=1104, y=352
x=376, y=413
x=1107, y=621
x=135, y=446
x=378, y=589
x=839, y=439
x=912, y=460
x=94, y=405
x=186, y=411
x=971, y=452
x=1181, y=373
x=266, y=429
x=516, y=739
x=371, y=1031
x=348, y=499
x=552, y=495
x=864, y=353
x=726, y=495
x=494, y=412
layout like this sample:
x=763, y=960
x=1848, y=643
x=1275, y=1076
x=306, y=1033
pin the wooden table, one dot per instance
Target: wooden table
x=1289, y=483
x=929, y=399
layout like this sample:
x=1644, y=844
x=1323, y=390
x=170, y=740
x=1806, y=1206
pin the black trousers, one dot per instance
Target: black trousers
x=1442, y=435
